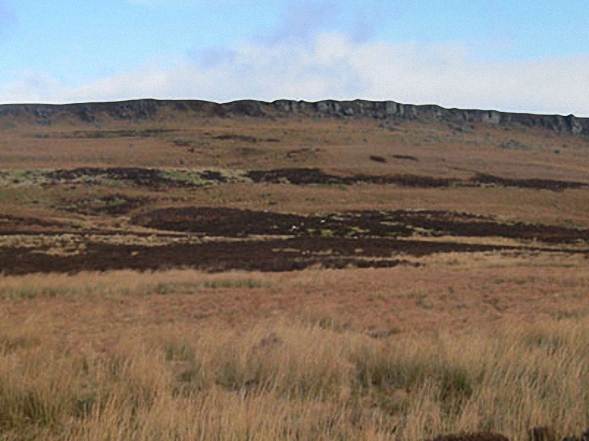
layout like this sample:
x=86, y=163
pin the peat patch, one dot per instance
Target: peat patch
x=539, y=184
x=271, y=255
x=11, y=225
x=143, y=177
x=309, y=176
x=215, y=176
x=109, y=205
x=229, y=222
x=100, y=134
x=357, y=239
x=303, y=153
x=405, y=158
x=442, y=223
x=180, y=178
x=244, y=138
x=315, y=176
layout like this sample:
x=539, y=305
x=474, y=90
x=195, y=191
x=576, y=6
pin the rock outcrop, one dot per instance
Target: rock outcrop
x=150, y=109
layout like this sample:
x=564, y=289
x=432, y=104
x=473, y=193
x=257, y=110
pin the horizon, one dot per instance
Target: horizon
x=284, y=99
x=529, y=57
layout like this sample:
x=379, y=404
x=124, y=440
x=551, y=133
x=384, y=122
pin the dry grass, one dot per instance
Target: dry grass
x=338, y=146
x=310, y=355
x=451, y=291
x=492, y=341
x=293, y=380
x=123, y=283
x=336, y=143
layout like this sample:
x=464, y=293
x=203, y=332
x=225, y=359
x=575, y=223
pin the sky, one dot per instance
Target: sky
x=510, y=55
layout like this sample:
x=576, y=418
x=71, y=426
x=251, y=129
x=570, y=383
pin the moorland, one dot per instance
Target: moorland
x=189, y=270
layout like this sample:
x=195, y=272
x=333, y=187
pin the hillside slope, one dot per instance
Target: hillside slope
x=150, y=109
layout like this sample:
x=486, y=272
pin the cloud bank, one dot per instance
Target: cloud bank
x=336, y=66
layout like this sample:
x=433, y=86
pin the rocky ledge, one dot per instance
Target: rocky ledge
x=150, y=109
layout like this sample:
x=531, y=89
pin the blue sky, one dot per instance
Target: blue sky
x=512, y=55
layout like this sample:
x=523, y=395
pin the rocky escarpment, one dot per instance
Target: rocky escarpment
x=149, y=109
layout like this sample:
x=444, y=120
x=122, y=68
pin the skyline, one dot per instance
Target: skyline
x=531, y=57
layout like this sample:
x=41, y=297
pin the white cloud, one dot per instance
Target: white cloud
x=335, y=66
x=303, y=19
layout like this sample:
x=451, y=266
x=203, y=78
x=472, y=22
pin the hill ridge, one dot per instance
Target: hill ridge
x=154, y=109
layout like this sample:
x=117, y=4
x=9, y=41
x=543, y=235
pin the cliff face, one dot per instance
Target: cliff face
x=149, y=109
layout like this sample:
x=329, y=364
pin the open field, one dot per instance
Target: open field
x=192, y=276
x=319, y=354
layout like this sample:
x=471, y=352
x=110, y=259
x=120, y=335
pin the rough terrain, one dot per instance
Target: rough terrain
x=330, y=270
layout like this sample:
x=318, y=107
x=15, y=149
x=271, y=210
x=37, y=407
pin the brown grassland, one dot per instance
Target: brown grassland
x=291, y=278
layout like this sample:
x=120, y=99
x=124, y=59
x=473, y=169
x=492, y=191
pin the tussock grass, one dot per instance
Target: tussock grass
x=122, y=283
x=294, y=380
